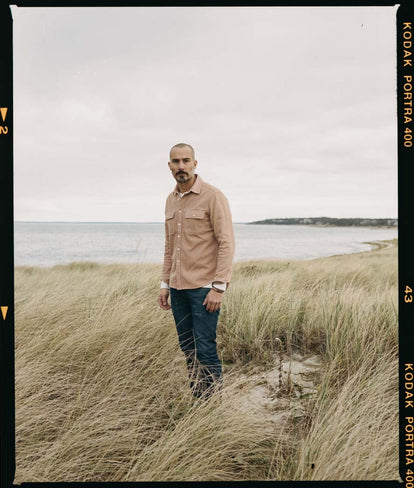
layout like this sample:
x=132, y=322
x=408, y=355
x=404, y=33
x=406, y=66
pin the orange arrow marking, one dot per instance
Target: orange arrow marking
x=4, y=312
x=3, y=111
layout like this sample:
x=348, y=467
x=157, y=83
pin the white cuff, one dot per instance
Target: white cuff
x=221, y=286
x=164, y=285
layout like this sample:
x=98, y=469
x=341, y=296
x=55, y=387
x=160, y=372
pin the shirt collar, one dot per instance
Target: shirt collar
x=196, y=188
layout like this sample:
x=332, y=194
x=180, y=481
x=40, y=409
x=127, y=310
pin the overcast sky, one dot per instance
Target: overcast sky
x=291, y=111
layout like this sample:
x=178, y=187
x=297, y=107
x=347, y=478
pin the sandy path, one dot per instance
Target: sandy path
x=280, y=394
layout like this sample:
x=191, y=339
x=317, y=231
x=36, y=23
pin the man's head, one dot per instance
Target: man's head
x=182, y=163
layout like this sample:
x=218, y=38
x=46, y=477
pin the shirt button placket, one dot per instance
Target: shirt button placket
x=180, y=216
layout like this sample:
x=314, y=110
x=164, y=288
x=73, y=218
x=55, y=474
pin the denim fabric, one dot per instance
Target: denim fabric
x=196, y=329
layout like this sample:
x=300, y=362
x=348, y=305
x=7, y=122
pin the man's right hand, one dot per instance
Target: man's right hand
x=163, y=299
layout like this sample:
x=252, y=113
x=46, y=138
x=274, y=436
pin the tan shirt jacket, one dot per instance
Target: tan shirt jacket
x=199, y=237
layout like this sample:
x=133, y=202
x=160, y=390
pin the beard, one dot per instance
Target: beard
x=182, y=178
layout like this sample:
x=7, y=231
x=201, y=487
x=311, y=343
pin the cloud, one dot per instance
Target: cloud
x=291, y=106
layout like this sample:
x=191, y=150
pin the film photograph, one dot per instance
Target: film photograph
x=205, y=243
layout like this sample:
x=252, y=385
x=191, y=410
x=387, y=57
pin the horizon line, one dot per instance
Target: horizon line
x=162, y=222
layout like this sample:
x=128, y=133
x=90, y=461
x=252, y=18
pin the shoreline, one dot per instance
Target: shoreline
x=381, y=244
x=376, y=246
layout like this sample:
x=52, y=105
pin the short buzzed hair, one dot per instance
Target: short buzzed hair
x=183, y=144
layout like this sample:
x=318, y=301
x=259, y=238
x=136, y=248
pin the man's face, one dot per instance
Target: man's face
x=182, y=164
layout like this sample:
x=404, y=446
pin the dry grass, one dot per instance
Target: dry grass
x=101, y=389
x=354, y=432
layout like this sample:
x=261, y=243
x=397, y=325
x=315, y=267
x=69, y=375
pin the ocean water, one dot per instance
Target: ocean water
x=51, y=243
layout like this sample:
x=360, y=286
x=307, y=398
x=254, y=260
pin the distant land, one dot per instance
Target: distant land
x=331, y=221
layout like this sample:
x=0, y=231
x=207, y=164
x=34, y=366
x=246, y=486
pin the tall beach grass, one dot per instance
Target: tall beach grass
x=102, y=391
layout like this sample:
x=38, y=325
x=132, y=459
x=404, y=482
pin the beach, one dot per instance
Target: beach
x=309, y=351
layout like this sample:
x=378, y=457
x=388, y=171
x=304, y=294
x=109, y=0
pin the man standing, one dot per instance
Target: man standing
x=199, y=250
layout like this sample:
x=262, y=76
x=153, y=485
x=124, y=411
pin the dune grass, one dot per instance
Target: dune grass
x=102, y=394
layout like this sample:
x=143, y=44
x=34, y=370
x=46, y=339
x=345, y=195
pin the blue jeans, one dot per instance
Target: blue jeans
x=196, y=329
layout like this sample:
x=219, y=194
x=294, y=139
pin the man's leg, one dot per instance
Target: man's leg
x=205, y=328
x=181, y=310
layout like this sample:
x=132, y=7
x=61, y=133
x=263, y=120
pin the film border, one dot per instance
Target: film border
x=405, y=23
x=405, y=260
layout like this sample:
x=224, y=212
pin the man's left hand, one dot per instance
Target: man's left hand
x=213, y=300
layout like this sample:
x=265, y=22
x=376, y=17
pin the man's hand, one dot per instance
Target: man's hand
x=213, y=300
x=163, y=299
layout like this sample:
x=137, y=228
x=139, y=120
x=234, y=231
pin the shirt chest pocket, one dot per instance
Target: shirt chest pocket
x=170, y=222
x=196, y=221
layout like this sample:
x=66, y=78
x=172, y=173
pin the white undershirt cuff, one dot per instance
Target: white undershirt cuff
x=220, y=286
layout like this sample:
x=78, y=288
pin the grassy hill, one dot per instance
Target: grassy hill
x=102, y=395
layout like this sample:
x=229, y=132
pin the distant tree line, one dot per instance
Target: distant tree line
x=351, y=222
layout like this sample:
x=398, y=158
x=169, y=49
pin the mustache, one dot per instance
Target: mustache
x=180, y=173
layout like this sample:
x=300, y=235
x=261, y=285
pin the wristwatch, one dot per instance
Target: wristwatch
x=216, y=289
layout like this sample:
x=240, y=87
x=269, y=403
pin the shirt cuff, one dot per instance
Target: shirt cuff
x=221, y=286
x=164, y=285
